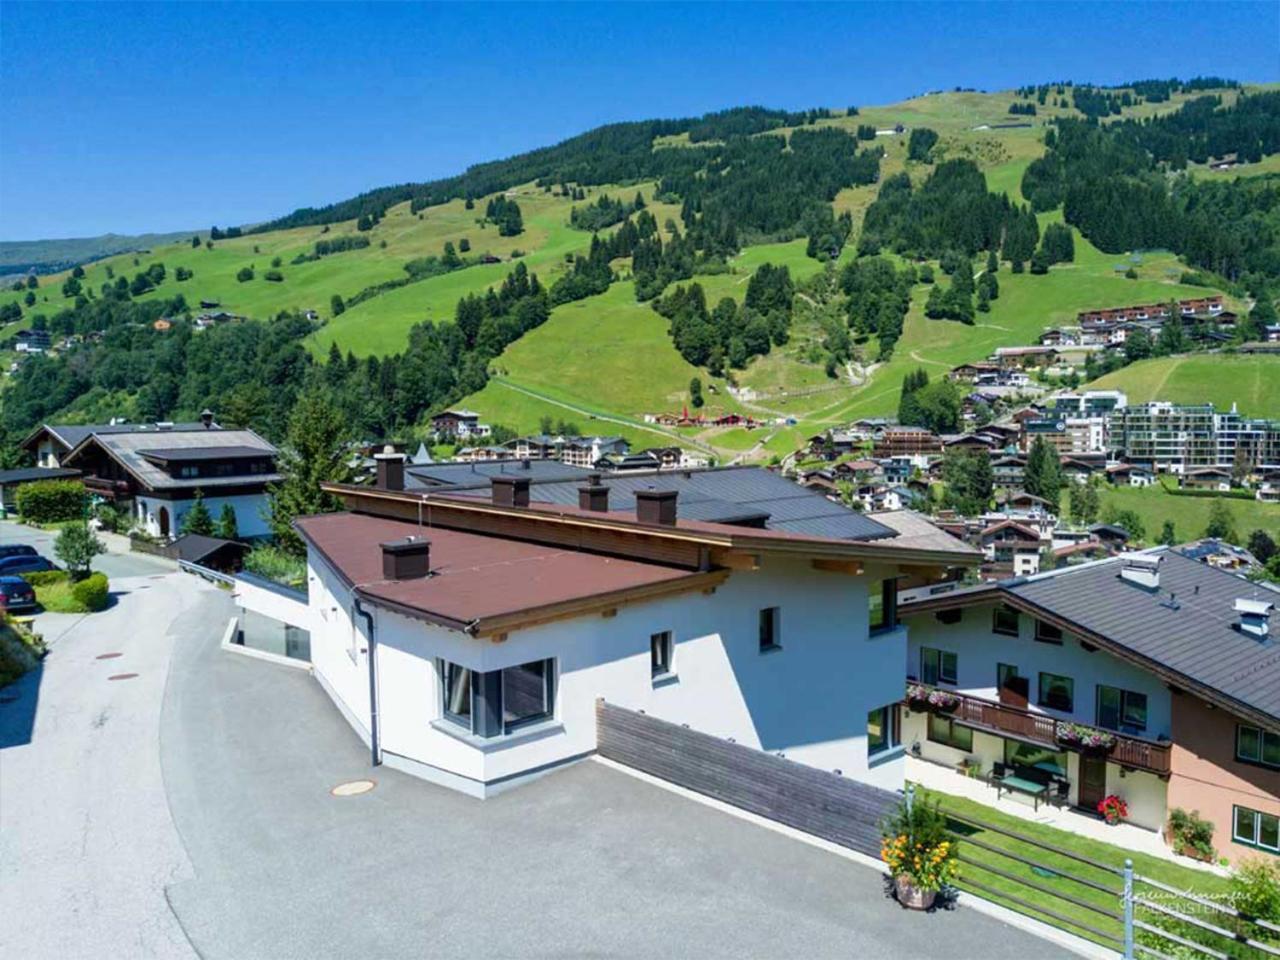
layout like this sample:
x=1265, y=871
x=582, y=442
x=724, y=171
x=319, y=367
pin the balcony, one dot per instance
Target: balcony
x=110, y=489
x=1003, y=719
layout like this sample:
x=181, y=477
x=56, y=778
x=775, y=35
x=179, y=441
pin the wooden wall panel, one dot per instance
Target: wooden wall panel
x=818, y=802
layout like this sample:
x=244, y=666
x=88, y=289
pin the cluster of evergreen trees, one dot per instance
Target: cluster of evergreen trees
x=952, y=210
x=605, y=212
x=593, y=273
x=506, y=214
x=920, y=144
x=877, y=300
x=1022, y=109
x=936, y=406
x=729, y=336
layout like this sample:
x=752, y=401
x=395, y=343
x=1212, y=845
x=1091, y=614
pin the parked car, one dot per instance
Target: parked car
x=24, y=564
x=16, y=550
x=16, y=594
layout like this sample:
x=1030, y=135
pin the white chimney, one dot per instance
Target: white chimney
x=1141, y=569
x=1254, y=615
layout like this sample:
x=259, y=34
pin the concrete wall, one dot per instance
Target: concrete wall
x=1208, y=778
x=808, y=700
x=978, y=650
x=249, y=508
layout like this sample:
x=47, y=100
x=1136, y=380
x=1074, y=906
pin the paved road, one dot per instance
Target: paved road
x=87, y=845
x=191, y=815
x=112, y=564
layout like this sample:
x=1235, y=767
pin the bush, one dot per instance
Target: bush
x=44, y=578
x=91, y=593
x=276, y=565
x=1255, y=888
x=18, y=653
x=1189, y=830
x=52, y=501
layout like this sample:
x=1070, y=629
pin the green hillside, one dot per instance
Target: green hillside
x=1250, y=380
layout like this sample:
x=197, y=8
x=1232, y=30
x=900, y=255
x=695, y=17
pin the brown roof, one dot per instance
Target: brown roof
x=1025, y=533
x=478, y=582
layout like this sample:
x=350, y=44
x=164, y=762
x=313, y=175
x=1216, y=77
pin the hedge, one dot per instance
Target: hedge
x=91, y=592
x=50, y=501
x=42, y=578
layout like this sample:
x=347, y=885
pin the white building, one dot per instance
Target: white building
x=470, y=648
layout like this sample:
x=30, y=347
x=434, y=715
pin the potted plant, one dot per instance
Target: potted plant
x=1085, y=737
x=920, y=855
x=1113, y=809
x=942, y=701
x=917, y=696
x=1190, y=835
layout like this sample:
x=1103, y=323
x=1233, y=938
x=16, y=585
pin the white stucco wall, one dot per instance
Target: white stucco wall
x=250, y=510
x=978, y=650
x=808, y=700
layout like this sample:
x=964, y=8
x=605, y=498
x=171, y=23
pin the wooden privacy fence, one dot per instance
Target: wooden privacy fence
x=818, y=802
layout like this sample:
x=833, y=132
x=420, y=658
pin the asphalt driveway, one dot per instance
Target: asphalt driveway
x=186, y=811
x=114, y=565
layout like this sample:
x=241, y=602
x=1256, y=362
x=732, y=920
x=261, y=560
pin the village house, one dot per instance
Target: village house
x=154, y=471
x=1129, y=475
x=1010, y=549
x=463, y=424
x=468, y=637
x=1206, y=478
x=1093, y=680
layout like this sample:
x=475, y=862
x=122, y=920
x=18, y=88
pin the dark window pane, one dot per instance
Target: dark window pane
x=947, y=667
x=1268, y=831
x=660, y=653
x=877, y=730
x=1048, y=633
x=1135, y=710
x=525, y=693
x=1109, y=707
x=1246, y=826
x=961, y=737
x=876, y=605
x=1271, y=749
x=1056, y=692
x=1005, y=621
x=457, y=694
x=1248, y=743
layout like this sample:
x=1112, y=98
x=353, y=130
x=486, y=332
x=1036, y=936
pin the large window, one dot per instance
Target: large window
x=1030, y=755
x=937, y=666
x=660, y=654
x=882, y=730
x=944, y=730
x=499, y=701
x=1124, y=710
x=883, y=604
x=1057, y=692
x=1257, y=746
x=1256, y=829
x=1004, y=621
x=770, y=629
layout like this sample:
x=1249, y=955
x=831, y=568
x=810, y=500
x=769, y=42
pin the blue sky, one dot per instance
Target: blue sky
x=121, y=118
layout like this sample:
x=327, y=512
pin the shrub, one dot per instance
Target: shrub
x=91, y=593
x=51, y=501
x=277, y=565
x=915, y=845
x=244, y=274
x=1255, y=888
x=275, y=276
x=76, y=547
x=16, y=656
x=1189, y=830
x=43, y=578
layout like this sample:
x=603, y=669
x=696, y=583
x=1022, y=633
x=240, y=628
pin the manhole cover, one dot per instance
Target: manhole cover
x=108, y=656
x=122, y=676
x=353, y=788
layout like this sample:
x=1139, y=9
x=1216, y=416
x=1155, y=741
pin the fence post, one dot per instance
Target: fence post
x=911, y=796
x=1128, y=909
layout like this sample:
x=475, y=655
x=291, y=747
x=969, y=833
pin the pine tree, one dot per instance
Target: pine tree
x=1221, y=525
x=1044, y=472
x=314, y=452
x=1167, y=535
x=227, y=527
x=198, y=520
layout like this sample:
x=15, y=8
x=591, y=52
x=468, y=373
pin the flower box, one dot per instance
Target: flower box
x=1085, y=737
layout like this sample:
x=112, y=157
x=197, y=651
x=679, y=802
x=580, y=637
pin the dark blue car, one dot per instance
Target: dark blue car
x=16, y=594
x=24, y=563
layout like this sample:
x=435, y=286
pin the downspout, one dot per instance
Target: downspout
x=374, y=747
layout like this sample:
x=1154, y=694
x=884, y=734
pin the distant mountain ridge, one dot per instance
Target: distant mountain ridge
x=50, y=256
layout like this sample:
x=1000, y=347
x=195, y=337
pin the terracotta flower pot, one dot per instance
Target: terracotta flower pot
x=912, y=897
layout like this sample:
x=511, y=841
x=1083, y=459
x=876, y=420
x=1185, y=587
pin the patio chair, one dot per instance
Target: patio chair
x=1062, y=792
x=998, y=772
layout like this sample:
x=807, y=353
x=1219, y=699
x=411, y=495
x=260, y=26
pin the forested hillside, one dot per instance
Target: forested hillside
x=812, y=258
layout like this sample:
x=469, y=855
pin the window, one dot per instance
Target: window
x=1048, y=633
x=1004, y=621
x=1257, y=746
x=1056, y=692
x=944, y=730
x=660, y=654
x=1004, y=673
x=882, y=730
x=770, y=629
x=1256, y=829
x=499, y=701
x=1121, y=709
x=457, y=694
x=937, y=666
x=883, y=605
x=1029, y=755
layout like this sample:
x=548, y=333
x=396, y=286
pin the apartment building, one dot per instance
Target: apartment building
x=1176, y=438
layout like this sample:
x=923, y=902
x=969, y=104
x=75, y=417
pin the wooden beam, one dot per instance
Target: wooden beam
x=739, y=561
x=851, y=567
x=927, y=574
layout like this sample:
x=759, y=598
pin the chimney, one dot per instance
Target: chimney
x=390, y=468
x=594, y=496
x=525, y=464
x=1254, y=617
x=1141, y=570
x=656, y=507
x=407, y=559
x=510, y=491
x=206, y=417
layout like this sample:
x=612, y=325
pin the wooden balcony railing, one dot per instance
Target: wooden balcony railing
x=1000, y=718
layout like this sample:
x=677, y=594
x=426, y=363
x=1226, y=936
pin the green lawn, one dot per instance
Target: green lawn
x=1052, y=869
x=1189, y=515
x=1250, y=380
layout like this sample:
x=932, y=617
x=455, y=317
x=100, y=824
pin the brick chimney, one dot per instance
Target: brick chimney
x=594, y=496
x=510, y=491
x=407, y=559
x=657, y=507
x=390, y=468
